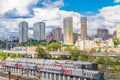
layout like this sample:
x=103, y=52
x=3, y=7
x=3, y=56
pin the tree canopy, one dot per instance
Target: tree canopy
x=13, y=55
x=41, y=53
x=116, y=42
x=3, y=55
x=53, y=46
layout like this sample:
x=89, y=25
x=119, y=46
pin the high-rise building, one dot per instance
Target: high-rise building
x=75, y=37
x=39, y=31
x=57, y=32
x=23, y=32
x=12, y=38
x=115, y=33
x=83, y=28
x=68, y=30
x=118, y=31
x=50, y=37
x=102, y=32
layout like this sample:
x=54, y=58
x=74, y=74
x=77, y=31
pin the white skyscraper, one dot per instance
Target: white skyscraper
x=68, y=30
x=83, y=28
x=39, y=31
x=23, y=32
x=118, y=31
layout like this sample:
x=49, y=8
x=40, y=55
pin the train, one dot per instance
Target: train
x=64, y=67
x=62, y=63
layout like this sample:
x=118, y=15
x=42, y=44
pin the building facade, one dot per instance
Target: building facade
x=83, y=28
x=75, y=37
x=57, y=32
x=12, y=38
x=23, y=32
x=84, y=44
x=118, y=31
x=39, y=31
x=115, y=33
x=102, y=32
x=68, y=30
x=50, y=38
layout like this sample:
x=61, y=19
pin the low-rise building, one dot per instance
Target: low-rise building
x=84, y=44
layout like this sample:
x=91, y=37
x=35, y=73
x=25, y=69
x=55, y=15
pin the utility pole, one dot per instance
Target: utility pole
x=106, y=57
x=9, y=74
x=27, y=59
x=82, y=67
x=106, y=61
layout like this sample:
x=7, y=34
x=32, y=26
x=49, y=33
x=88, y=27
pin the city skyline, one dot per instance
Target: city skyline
x=100, y=14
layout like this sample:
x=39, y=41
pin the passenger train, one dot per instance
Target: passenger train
x=64, y=67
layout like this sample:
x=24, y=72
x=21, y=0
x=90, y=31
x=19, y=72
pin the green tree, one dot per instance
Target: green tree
x=116, y=64
x=37, y=43
x=68, y=49
x=116, y=42
x=41, y=53
x=75, y=54
x=53, y=46
x=97, y=42
x=101, y=61
x=80, y=55
x=118, y=59
x=92, y=50
x=13, y=55
x=62, y=57
x=85, y=56
x=52, y=41
x=3, y=55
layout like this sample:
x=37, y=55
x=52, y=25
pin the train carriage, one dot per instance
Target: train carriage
x=68, y=68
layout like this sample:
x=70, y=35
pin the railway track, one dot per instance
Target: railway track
x=17, y=76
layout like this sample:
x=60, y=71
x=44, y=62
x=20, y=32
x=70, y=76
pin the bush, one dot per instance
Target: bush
x=3, y=55
x=13, y=55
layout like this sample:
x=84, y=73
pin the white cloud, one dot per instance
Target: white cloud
x=110, y=13
x=107, y=17
x=55, y=4
x=18, y=7
x=49, y=13
x=117, y=1
x=53, y=16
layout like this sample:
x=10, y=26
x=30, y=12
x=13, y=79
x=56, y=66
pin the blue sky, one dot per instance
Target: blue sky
x=84, y=6
x=99, y=13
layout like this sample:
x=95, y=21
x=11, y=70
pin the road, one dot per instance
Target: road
x=3, y=78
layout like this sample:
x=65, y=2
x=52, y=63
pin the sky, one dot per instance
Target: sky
x=99, y=13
